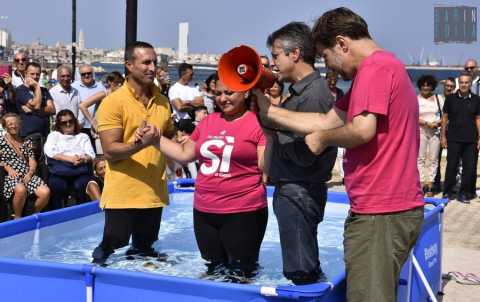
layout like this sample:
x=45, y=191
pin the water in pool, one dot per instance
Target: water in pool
x=73, y=242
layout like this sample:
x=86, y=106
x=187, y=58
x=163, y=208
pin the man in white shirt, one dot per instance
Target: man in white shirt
x=87, y=86
x=182, y=96
x=18, y=75
x=63, y=94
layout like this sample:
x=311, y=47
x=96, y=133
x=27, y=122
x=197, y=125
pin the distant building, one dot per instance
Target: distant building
x=455, y=24
x=81, y=40
x=5, y=39
x=182, y=40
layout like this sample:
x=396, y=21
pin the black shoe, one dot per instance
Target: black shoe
x=469, y=197
x=448, y=196
x=463, y=199
x=100, y=256
x=132, y=252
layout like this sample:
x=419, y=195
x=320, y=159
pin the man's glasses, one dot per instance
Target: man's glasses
x=21, y=60
x=467, y=68
x=66, y=123
x=84, y=74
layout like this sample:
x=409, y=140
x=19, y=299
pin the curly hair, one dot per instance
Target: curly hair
x=427, y=79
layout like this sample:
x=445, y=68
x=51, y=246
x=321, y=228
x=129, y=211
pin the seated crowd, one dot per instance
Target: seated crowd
x=50, y=152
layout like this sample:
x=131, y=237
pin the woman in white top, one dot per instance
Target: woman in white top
x=430, y=111
x=69, y=154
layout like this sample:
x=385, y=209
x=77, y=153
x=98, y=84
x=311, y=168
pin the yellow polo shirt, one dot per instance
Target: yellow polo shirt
x=138, y=182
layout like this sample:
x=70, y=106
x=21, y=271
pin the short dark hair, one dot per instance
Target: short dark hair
x=65, y=112
x=184, y=67
x=465, y=74
x=34, y=64
x=186, y=125
x=427, y=79
x=129, y=51
x=115, y=77
x=295, y=35
x=339, y=21
x=451, y=79
x=200, y=108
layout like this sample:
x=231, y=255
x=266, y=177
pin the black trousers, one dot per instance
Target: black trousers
x=438, y=177
x=466, y=152
x=142, y=224
x=232, y=240
x=474, y=179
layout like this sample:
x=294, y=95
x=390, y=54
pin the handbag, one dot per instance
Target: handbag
x=62, y=168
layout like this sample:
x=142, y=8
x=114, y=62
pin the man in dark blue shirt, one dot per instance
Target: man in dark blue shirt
x=34, y=103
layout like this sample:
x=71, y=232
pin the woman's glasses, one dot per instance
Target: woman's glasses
x=66, y=123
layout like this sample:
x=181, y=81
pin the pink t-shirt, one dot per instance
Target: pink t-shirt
x=381, y=176
x=229, y=180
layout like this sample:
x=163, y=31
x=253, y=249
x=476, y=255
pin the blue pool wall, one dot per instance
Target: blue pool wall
x=27, y=280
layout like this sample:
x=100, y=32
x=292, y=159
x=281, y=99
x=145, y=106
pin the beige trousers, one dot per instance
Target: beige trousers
x=428, y=154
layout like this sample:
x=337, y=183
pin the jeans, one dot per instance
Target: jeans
x=299, y=208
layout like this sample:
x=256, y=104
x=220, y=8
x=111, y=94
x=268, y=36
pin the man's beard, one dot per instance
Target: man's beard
x=339, y=67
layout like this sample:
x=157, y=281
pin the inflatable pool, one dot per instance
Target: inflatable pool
x=46, y=257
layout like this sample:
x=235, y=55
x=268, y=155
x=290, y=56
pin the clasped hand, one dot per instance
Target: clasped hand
x=147, y=135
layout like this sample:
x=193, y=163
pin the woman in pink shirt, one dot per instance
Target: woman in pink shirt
x=230, y=206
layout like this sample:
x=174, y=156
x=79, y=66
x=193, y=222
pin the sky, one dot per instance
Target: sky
x=402, y=26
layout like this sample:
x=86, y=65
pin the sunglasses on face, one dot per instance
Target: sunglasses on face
x=470, y=68
x=66, y=123
x=21, y=60
x=84, y=74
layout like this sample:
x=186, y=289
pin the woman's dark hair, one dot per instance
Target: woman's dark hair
x=115, y=77
x=427, y=79
x=281, y=85
x=96, y=161
x=212, y=77
x=66, y=112
x=10, y=114
x=340, y=21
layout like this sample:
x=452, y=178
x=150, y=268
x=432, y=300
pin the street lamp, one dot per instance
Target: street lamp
x=130, y=24
x=74, y=36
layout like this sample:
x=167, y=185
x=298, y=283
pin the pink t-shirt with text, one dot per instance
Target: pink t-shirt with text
x=381, y=176
x=229, y=180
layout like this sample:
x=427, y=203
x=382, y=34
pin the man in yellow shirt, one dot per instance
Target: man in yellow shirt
x=135, y=190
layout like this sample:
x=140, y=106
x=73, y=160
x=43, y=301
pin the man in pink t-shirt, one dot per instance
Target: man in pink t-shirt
x=377, y=122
